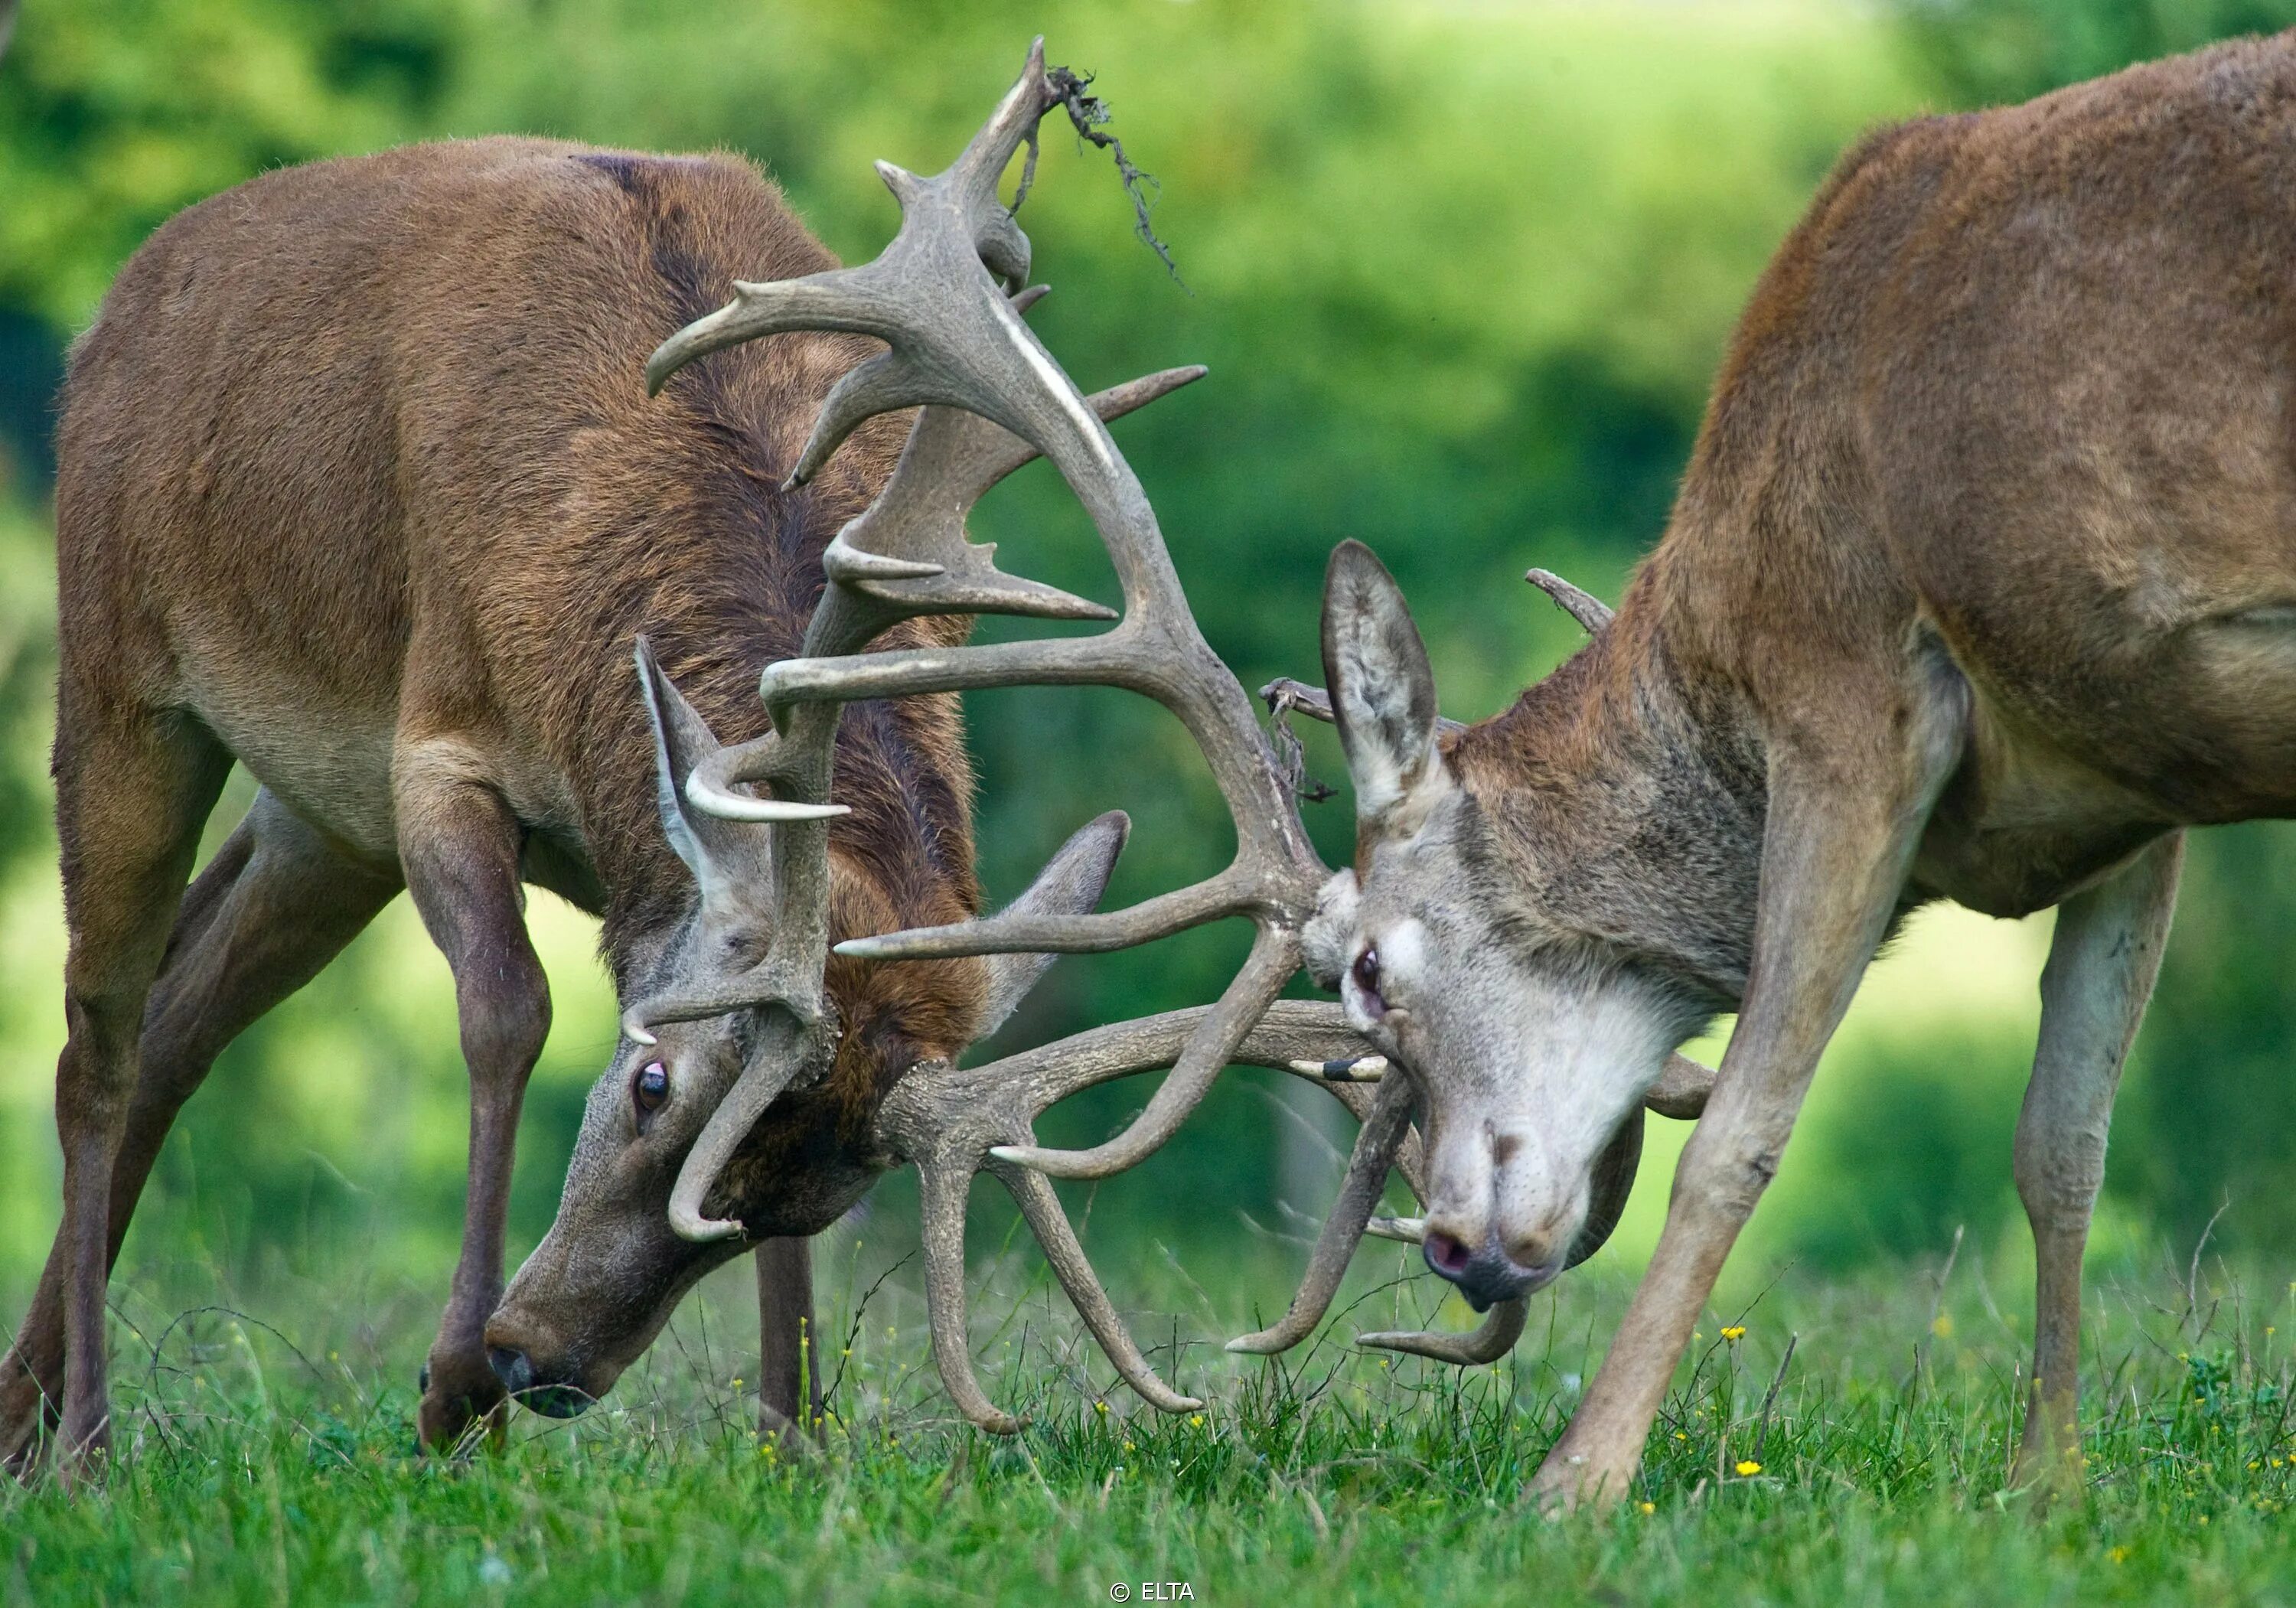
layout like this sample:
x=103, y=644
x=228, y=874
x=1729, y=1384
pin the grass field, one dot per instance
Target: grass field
x=266, y=1459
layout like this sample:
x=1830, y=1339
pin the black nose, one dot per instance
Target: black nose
x=1447, y=1255
x=1485, y=1276
x=511, y=1367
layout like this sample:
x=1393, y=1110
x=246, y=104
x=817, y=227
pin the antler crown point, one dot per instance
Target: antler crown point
x=898, y=179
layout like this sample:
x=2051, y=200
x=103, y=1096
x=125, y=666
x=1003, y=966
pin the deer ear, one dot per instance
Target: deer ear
x=1069, y=884
x=1383, y=689
x=682, y=740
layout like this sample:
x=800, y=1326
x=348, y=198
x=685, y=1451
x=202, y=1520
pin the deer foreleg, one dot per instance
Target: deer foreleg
x=459, y=844
x=1837, y=845
x=2102, y=964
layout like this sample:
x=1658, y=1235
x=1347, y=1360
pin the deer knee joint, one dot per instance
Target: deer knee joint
x=506, y=1019
x=1729, y=1184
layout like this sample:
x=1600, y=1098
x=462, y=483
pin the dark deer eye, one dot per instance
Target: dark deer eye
x=652, y=1086
x=1367, y=971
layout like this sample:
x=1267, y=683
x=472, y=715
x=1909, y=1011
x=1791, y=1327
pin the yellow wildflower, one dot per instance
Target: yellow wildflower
x=1100, y=1407
x=1734, y=1333
x=1747, y=1468
x=1650, y=1507
x=1195, y=1421
x=2118, y=1555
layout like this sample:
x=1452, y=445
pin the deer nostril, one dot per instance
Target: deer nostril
x=1447, y=1254
x=511, y=1367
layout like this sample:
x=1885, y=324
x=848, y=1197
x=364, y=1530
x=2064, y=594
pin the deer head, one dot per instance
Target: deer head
x=615, y=1263
x=1536, y=1036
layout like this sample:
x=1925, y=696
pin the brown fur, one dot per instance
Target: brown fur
x=1981, y=586
x=2001, y=391
x=359, y=484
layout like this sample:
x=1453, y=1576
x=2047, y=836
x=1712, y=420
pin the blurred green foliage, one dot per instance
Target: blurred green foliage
x=1462, y=273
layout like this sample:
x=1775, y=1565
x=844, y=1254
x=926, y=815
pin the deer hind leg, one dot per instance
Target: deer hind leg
x=789, y=1351
x=275, y=904
x=2102, y=965
x=459, y=845
x=132, y=793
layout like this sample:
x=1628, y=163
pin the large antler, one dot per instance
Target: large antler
x=957, y=340
x=946, y=298
x=932, y=299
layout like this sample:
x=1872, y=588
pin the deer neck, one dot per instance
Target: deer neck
x=1620, y=802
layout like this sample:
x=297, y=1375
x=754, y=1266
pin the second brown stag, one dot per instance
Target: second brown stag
x=360, y=485
x=1981, y=586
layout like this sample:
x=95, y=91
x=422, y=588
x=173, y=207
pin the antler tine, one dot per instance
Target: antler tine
x=765, y=984
x=1583, y=606
x=1275, y=957
x=952, y=459
x=945, y=1118
x=1034, y=1193
x=1376, y=1143
x=991, y=149
x=1493, y=1339
x=940, y=1209
x=1315, y=703
x=727, y=1127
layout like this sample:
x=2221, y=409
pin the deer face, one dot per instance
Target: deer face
x=1531, y=1045
x=615, y=1262
x=605, y=1280
x=613, y=1267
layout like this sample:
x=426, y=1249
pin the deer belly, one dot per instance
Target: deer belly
x=2024, y=822
x=328, y=763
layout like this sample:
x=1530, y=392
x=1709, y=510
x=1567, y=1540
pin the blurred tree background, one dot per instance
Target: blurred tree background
x=1461, y=273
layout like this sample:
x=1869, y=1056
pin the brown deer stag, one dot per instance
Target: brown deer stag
x=1981, y=586
x=359, y=485
x=945, y=298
